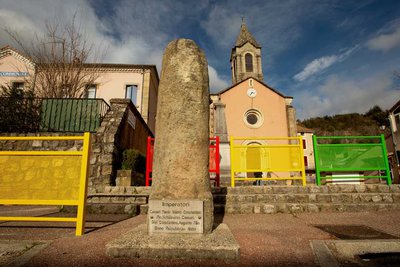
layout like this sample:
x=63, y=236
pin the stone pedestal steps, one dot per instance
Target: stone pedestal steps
x=263, y=199
x=311, y=198
x=119, y=200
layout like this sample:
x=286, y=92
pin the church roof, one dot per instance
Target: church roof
x=267, y=86
x=245, y=36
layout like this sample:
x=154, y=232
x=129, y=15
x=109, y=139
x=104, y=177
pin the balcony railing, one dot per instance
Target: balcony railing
x=51, y=114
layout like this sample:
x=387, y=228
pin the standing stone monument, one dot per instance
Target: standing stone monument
x=181, y=153
x=180, y=214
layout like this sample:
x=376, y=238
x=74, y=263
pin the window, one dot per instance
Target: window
x=304, y=144
x=305, y=161
x=397, y=121
x=253, y=118
x=91, y=91
x=18, y=85
x=234, y=66
x=249, y=62
x=131, y=93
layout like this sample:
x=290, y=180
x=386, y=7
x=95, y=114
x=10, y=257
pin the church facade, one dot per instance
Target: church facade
x=249, y=108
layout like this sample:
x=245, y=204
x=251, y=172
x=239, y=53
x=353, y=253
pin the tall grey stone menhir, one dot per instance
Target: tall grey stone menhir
x=181, y=153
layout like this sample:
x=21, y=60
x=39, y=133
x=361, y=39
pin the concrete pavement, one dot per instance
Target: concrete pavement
x=265, y=240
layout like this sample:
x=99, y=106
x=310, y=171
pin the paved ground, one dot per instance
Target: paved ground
x=267, y=240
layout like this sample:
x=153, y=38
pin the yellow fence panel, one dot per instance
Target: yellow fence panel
x=46, y=178
x=281, y=157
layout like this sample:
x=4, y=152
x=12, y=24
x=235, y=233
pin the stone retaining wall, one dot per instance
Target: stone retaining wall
x=273, y=199
x=122, y=128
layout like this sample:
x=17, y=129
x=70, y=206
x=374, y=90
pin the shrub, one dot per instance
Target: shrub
x=19, y=110
x=134, y=160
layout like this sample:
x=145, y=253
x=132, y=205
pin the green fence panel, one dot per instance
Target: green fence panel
x=70, y=115
x=358, y=154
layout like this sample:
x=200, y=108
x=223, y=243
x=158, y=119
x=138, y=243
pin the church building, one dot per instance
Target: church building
x=249, y=107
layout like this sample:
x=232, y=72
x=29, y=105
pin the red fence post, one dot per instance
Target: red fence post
x=217, y=168
x=214, y=155
x=149, y=160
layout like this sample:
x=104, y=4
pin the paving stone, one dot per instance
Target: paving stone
x=281, y=207
x=269, y=209
x=312, y=198
x=333, y=188
x=346, y=188
x=302, y=189
x=257, y=209
x=383, y=188
x=312, y=208
x=376, y=198
x=387, y=198
x=294, y=208
x=314, y=189
x=394, y=188
x=360, y=188
x=372, y=188
x=396, y=197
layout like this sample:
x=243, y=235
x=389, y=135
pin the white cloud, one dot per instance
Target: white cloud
x=338, y=96
x=216, y=82
x=276, y=25
x=315, y=66
x=319, y=64
x=385, y=41
x=136, y=33
x=222, y=25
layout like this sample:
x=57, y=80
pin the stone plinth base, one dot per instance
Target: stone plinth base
x=220, y=244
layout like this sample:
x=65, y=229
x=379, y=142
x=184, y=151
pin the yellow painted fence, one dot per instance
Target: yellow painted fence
x=46, y=178
x=278, y=158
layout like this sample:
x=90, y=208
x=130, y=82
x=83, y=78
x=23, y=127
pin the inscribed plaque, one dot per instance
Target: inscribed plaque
x=175, y=216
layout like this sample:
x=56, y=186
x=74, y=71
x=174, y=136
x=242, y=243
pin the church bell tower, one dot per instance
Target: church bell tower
x=246, y=57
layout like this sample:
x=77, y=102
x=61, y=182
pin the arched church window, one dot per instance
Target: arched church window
x=249, y=62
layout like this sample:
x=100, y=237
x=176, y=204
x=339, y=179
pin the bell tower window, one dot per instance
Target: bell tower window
x=249, y=62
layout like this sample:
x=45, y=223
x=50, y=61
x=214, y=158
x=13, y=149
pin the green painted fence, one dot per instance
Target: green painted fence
x=72, y=114
x=350, y=154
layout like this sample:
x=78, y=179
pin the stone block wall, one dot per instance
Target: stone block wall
x=266, y=199
x=40, y=145
x=122, y=128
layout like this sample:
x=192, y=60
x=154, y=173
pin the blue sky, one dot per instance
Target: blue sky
x=332, y=56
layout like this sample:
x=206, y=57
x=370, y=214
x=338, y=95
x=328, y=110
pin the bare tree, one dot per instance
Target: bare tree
x=61, y=58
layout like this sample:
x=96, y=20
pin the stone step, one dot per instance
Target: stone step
x=144, y=209
x=271, y=189
x=308, y=198
x=131, y=209
x=143, y=190
x=271, y=208
x=262, y=199
x=281, y=189
x=304, y=207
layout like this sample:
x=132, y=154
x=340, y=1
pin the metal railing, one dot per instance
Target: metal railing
x=345, y=157
x=51, y=114
x=214, y=160
x=252, y=157
x=46, y=178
